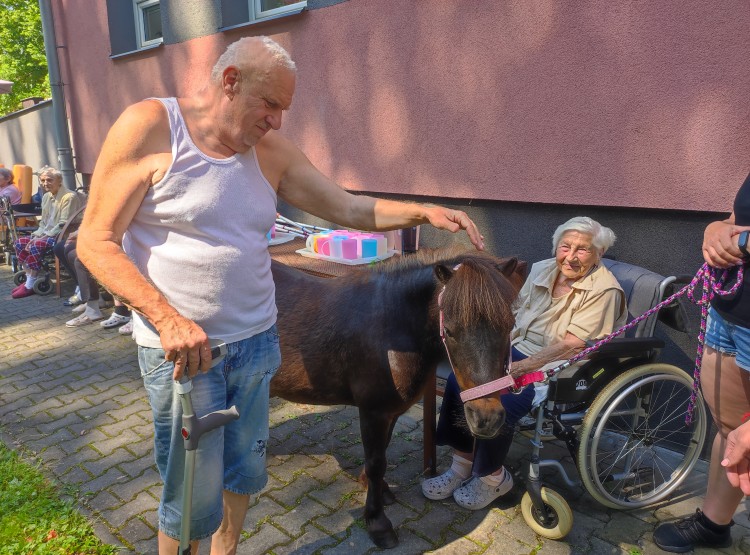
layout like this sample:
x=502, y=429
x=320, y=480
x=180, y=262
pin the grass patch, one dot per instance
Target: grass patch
x=33, y=517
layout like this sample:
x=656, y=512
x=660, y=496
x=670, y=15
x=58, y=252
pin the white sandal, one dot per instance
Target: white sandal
x=127, y=329
x=82, y=320
x=477, y=494
x=443, y=486
x=114, y=321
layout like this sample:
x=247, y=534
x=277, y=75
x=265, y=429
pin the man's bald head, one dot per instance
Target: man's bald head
x=254, y=56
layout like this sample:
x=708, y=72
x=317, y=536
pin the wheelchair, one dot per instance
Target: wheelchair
x=8, y=232
x=621, y=415
x=50, y=266
x=44, y=284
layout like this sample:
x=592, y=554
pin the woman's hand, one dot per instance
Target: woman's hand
x=561, y=351
x=720, y=243
x=737, y=458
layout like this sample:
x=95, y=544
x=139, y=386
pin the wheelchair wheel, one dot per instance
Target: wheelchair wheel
x=19, y=277
x=635, y=448
x=43, y=286
x=557, y=509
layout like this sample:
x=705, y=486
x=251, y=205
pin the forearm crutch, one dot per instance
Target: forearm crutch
x=192, y=430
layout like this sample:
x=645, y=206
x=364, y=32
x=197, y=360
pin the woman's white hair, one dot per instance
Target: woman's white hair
x=52, y=172
x=236, y=55
x=5, y=172
x=601, y=237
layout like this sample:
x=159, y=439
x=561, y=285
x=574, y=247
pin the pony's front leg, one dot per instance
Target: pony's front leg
x=376, y=428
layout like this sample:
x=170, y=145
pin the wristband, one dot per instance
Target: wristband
x=742, y=243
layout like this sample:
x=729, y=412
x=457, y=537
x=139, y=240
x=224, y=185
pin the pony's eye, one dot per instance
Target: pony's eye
x=447, y=332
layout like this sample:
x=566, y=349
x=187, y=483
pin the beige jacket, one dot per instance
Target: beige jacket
x=594, y=308
x=56, y=210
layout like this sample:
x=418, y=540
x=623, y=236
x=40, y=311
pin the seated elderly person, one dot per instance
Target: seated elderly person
x=565, y=301
x=8, y=187
x=58, y=203
x=90, y=310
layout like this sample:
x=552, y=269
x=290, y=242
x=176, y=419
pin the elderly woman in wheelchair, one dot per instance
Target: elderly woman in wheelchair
x=58, y=204
x=565, y=302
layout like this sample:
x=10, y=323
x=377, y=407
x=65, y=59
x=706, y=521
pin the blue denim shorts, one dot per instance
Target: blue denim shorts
x=231, y=458
x=729, y=339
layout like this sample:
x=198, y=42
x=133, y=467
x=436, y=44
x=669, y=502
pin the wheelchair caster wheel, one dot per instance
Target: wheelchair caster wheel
x=559, y=515
x=19, y=277
x=43, y=287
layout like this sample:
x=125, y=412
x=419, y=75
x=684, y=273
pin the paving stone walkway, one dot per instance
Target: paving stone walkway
x=73, y=398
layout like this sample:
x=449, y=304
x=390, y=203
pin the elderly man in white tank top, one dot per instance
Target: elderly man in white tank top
x=197, y=181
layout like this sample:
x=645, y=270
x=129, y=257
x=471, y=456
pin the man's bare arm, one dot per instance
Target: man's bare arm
x=302, y=185
x=134, y=156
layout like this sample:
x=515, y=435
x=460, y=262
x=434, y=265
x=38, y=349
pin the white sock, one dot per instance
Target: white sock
x=30, y=281
x=461, y=466
x=495, y=480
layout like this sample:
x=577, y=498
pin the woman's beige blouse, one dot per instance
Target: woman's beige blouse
x=594, y=308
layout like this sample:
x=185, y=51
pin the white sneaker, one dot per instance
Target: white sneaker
x=443, y=486
x=477, y=494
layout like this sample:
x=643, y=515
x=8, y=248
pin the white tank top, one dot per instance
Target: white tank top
x=200, y=237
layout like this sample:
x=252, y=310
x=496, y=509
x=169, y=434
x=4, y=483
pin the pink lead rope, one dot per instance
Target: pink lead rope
x=705, y=278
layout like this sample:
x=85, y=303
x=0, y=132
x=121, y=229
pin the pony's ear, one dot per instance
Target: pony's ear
x=508, y=266
x=443, y=273
x=522, y=268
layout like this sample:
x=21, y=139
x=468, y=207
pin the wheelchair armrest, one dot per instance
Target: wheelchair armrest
x=627, y=346
x=29, y=207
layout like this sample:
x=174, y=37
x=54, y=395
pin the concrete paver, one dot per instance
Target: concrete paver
x=73, y=398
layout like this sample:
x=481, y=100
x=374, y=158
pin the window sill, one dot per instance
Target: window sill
x=134, y=52
x=264, y=20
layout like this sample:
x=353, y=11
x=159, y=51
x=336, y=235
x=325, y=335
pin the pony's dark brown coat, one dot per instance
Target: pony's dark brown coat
x=371, y=339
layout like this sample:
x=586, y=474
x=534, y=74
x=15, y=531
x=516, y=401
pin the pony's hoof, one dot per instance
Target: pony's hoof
x=381, y=532
x=384, y=540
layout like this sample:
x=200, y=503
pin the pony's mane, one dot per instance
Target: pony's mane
x=477, y=289
x=427, y=257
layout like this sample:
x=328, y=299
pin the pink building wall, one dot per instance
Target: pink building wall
x=639, y=104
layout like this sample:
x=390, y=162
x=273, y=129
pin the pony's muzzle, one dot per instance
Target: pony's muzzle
x=485, y=417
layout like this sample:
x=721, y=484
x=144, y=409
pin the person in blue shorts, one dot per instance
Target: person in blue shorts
x=725, y=383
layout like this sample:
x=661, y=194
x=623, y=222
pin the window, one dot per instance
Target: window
x=147, y=22
x=238, y=13
x=271, y=8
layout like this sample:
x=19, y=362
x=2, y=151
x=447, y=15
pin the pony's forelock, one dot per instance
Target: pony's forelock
x=478, y=291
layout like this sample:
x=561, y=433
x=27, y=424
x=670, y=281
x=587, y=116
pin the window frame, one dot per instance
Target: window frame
x=139, y=7
x=257, y=14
